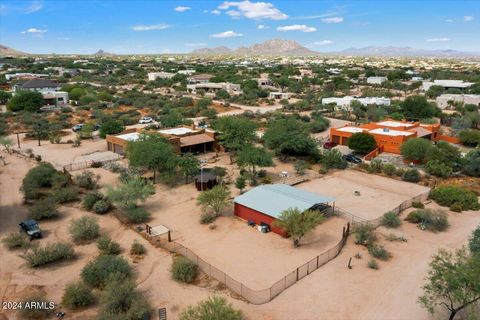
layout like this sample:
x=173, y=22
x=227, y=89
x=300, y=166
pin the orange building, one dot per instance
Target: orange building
x=389, y=134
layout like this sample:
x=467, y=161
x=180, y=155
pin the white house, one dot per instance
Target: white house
x=55, y=98
x=442, y=100
x=187, y=72
x=213, y=87
x=345, y=102
x=279, y=95
x=447, y=84
x=24, y=75
x=376, y=80
x=152, y=76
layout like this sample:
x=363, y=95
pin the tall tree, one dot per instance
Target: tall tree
x=417, y=107
x=189, y=165
x=297, y=223
x=235, y=133
x=215, y=199
x=252, y=157
x=128, y=194
x=452, y=282
x=26, y=100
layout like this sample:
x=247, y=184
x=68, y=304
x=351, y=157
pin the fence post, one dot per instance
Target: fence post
x=317, y=260
x=297, y=274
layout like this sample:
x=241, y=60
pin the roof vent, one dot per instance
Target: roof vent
x=386, y=130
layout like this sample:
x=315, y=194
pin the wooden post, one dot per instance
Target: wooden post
x=349, y=263
x=18, y=140
x=297, y=274
x=169, y=236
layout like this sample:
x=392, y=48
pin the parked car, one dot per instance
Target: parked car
x=352, y=158
x=145, y=120
x=77, y=127
x=329, y=145
x=31, y=228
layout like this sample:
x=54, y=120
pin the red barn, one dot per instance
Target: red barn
x=264, y=204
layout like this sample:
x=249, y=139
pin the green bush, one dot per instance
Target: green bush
x=214, y=308
x=121, y=300
x=474, y=242
x=136, y=215
x=39, y=256
x=91, y=198
x=375, y=166
x=411, y=175
x=438, y=169
x=137, y=248
x=44, y=209
x=77, y=295
x=16, y=240
x=389, y=169
x=364, y=234
x=97, y=272
x=379, y=252
x=84, y=229
x=87, y=180
x=390, y=220
x=63, y=195
x=428, y=219
x=107, y=246
x=418, y=205
x=184, y=270
x=37, y=178
x=372, y=264
x=208, y=217
x=332, y=159
x=102, y=206
x=36, y=313
x=449, y=195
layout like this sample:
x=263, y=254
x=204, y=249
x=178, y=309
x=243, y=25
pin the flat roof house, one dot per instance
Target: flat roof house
x=447, y=84
x=184, y=139
x=37, y=84
x=264, y=204
x=212, y=88
x=376, y=80
x=152, y=76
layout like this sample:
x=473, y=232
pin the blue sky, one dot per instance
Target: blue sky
x=181, y=26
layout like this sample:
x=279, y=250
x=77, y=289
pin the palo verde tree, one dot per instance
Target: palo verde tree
x=297, y=223
x=452, y=282
x=128, y=194
x=189, y=165
x=252, y=157
x=152, y=152
x=214, y=199
x=235, y=133
x=362, y=142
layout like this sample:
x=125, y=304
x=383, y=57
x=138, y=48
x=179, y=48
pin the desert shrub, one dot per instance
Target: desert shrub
x=84, y=229
x=107, y=246
x=137, y=248
x=375, y=166
x=77, y=295
x=36, y=313
x=428, y=219
x=389, y=169
x=379, y=252
x=39, y=256
x=214, y=308
x=411, y=175
x=449, y=195
x=87, y=180
x=418, y=204
x=474, y=242
x=394, y=237
x=16, y=240
x=390, y=220
x=207, y=217
x=333, y=159
x=372, y=264
x=44, y=209
x=184, y=270
x=399, y=172
x=121, y=300
x=456, y=207
x=91, y=198
x=97, y=272
x=364, y=234
x=37, y=178
x=438, y=169
x=63, y=195
x=136, y=215
x=101, y=206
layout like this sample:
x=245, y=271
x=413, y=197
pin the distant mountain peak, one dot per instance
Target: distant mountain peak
x=7, y=51
x=102, y=53
x=269, y=47
x=392, y=51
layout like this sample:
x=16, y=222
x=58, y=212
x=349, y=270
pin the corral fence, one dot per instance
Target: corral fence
x=86, y=164
x=376, y=222
x=242, y=290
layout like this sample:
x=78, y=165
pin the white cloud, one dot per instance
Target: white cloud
x=438, y=40
x=253, y=10
x=226, y=34
x=448, y=20
x=297, y=27
x=161, y=26
x=262, y=27
x=333, y=20
x=34, y=7
x=182, y=9
x=467, y=18
x=320, y=43
x=34, y=31
x=196, y=44
x=216, y=12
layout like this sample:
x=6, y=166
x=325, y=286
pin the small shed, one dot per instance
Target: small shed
x=205, y=180
x=263, y=204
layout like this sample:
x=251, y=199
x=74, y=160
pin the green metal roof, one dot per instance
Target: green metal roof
x=272, y=199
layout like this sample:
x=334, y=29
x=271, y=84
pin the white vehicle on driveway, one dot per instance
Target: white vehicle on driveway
x=145, y=120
